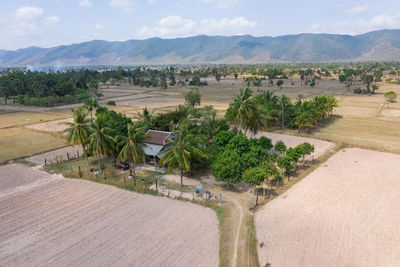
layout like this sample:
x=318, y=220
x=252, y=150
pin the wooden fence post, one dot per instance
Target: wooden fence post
x=45, y=162
x=67, y=156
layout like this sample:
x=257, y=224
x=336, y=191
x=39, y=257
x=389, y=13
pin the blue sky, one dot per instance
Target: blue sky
x=48, y=23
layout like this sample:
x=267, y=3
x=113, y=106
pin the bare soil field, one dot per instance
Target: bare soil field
x=75, y=222
x=50, y=126
x=345, y=213
x=320, y=146
x=61, y=153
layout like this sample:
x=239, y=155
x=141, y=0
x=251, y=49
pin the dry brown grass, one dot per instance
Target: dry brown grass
x=25, y=118
x=19, y=142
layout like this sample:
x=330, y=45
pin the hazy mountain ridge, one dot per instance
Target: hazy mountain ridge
x=378, y=45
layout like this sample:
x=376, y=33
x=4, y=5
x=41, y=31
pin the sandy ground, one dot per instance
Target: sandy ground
x=320, y=146
x=51, y=126
x=75, y=222
x=60, y=153
x=186, y=181
x=345, y=213
x=391, y=113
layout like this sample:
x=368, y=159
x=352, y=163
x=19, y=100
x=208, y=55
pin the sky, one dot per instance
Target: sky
x=48, y=23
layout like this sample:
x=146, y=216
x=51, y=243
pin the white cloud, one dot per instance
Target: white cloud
x=220, y=3
x=85, y=3
x=52, y=19
x=28, y=13
x=175, y=26
x=359, y=8
x=123, y=5
x=359, y=26
x=151, y=2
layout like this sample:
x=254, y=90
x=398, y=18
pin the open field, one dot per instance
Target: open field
x=345, y=213
x=51, y=126
x=25, y=118
x=19, y=142
x=75, y=222
x=320, y=146
x=61, y=153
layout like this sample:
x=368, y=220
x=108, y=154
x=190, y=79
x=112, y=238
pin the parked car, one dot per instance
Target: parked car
x=122, y=165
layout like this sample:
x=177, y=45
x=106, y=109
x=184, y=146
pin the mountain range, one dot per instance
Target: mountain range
x=381, y=45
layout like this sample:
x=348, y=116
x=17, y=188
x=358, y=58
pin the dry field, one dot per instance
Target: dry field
x=345, y=213
x=320, y=146
x=50, y=126
x=365, y=121
x=24, y=118
x=18, y=142
x=61, y=153
x=61, y=222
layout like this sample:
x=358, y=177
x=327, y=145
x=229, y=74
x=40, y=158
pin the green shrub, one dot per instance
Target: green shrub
x=111, y=103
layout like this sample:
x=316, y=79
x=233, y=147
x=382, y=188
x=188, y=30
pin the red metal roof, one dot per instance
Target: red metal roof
x=157, y=137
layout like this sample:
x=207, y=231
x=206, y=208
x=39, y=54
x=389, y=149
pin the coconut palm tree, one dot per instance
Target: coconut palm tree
x=100, y=139
x=132, y=147
x=77, y=132
x=243, y=109
x=90, y=104
x=146, y=117
x=181, y=151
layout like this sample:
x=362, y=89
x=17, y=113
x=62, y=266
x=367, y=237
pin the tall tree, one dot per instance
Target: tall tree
x=100, y=140
x=243, y=109
x=90, y=105
x=181, y=151
x=193, y=97
x=77, y=132
x=132, y=147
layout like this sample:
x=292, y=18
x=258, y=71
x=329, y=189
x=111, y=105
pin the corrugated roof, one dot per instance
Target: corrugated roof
x=157, y=137
x=152, y=150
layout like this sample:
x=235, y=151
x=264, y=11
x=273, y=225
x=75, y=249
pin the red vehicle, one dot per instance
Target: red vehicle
x=122, y=165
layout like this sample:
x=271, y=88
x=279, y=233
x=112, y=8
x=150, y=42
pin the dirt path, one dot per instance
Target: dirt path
x=239, y=226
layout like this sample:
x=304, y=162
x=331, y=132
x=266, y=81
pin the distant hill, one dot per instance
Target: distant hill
x=377, y=45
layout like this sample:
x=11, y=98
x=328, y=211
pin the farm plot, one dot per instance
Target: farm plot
x=20, y=142
x=75, y=222
x=345, y=213
x=61, y=154
x=291, y=141
x=50, y=126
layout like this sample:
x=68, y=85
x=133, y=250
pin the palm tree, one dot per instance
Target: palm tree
x=146, y=117
x=100, y=139
x=90, y=104
x=132, y=147
x=267, y=102
x=78, y=131
x=243, y=109
x=180, y=153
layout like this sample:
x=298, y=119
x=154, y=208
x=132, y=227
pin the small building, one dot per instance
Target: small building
x=157, y=142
